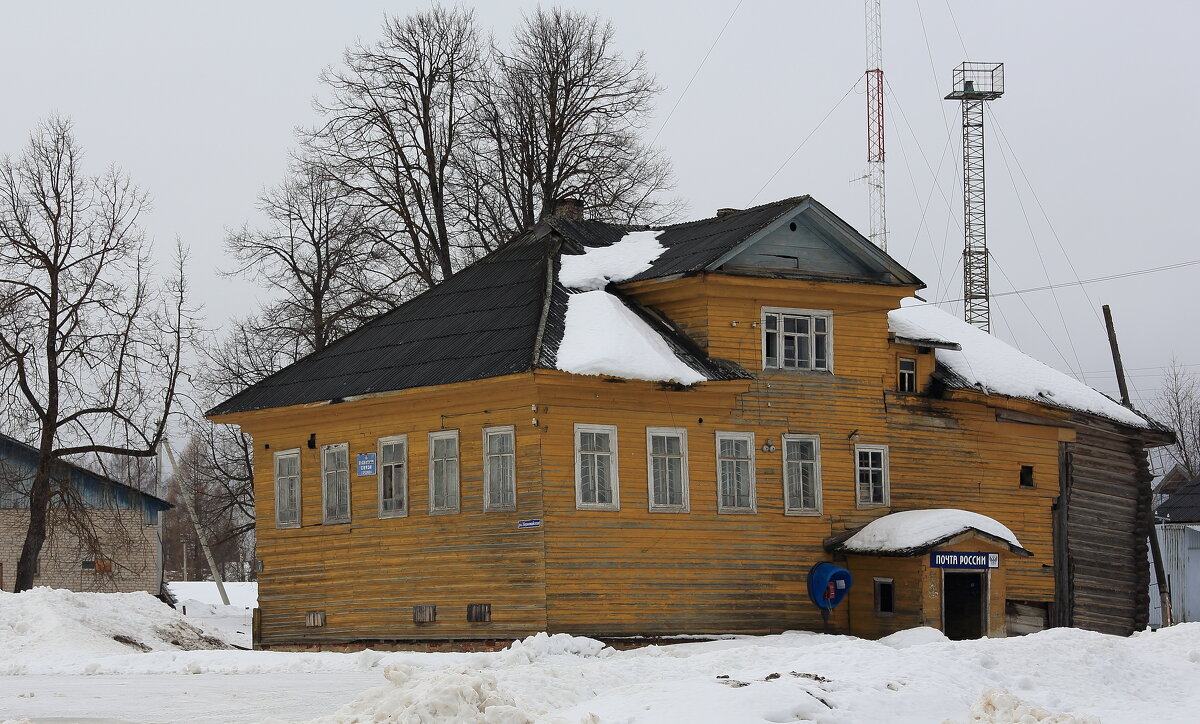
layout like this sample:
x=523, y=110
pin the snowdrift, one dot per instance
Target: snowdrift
x=51, y=623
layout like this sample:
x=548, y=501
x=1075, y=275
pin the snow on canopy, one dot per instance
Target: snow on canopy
x=914, y=530
x=604, y=337
x=596, y=267
x=987, y=363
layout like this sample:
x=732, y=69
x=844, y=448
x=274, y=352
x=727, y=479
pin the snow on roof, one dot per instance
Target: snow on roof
x=598, y=266
x=987, y=363
x=913, y=530
x=604, y=337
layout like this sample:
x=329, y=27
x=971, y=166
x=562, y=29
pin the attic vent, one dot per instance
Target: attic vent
x=726, y=212
x=479, y=612
x=314, y=619
x=424, y=613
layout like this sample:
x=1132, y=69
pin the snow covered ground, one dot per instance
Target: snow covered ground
x=201, y=602
x=60, y=661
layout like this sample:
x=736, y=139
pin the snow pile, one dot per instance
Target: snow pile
x=914, y=637
x=993, y=366
x=598, y=266
x=541, y=645
x=997, y=705
x=201, y=602
x=916, y=529
x=604, y=337
x=448, y=695
x=51, y=623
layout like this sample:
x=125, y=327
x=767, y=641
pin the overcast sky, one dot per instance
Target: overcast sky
x=1091, y=155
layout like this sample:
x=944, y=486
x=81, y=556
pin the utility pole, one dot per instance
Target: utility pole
x=186, y=494
x=974, y=84
x=1160, y=573
x=875, y=146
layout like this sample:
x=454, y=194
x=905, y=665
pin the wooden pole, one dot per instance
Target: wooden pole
x=187, y=503
x=1116, y=353
x=1164, y=588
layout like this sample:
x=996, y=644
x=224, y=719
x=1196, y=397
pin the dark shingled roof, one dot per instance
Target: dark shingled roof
x=487, y=320
x=1183, y=505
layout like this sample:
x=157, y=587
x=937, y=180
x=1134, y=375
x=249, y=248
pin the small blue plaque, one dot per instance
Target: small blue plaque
x=529, y=523
x=366, y=463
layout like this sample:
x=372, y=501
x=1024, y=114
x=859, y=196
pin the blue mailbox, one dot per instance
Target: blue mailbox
x=828, y=584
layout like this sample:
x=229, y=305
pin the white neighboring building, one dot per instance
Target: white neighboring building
x=1178, y=531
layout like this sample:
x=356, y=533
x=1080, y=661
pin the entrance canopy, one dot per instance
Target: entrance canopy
x=913, y=532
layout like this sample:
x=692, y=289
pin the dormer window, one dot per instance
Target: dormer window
x=797, y=339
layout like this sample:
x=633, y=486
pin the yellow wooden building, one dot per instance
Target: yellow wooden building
x=629, y=432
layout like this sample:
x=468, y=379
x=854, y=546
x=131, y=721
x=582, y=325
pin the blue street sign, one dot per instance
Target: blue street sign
x=366, y=463
x=529, y=523
x=959, y=559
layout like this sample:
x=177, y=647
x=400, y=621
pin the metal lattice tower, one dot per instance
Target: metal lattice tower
x=875, y=147
x=974, y=85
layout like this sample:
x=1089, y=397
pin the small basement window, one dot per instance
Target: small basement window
x=1027, y=476
x=885, y=596
x=314, y=619
x=908, y=375
x=479, y=612
x=424, y=613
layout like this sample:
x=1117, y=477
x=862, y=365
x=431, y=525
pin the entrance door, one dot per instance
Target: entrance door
x=964, y=604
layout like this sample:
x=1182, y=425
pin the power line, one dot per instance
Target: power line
x=810, y=135
x=696, y=72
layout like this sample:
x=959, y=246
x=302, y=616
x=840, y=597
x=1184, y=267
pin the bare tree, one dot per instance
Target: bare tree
x=562, y=116
x=396, y=115
x=1177, y=405
x=89, y=347
x=315, y=251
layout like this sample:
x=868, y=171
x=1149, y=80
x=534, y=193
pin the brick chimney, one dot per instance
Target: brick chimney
x=569, y=208
x=726, y=212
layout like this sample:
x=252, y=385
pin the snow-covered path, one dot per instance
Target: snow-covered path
x=198, y=698
x=128, y=658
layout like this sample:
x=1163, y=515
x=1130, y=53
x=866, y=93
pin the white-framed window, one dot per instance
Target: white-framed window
x=797, y=339
x=735, y=472
x=667, y=469
x=596, y=482
x=287, y=489
x=499, y=468
x=871, y=474
x=907, y=374
x=801, y=474
x=443, y=471
x=393, y=476
x=335, y=482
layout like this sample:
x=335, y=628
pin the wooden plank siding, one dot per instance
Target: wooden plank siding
x=368, y=574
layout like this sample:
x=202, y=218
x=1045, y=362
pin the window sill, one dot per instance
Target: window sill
x=613, y=507
x=394, y=514
x=287, y=526
x=873, y=506
x=802, y=513
x=737, y=511
x=500, y=508
x=670, y=509
x=444, y=511
x=345, y=521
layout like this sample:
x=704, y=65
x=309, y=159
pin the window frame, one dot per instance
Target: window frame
x=1022, y=476
x=826, y=314
x=887, y=481
x=614, y=468
x=817, y=508
x=325, y=519
x=379, y=444
x=275, y=478
x=457, y=507
x=910, y=375
x=738, y=510
x=488, y=507
x=686, y=505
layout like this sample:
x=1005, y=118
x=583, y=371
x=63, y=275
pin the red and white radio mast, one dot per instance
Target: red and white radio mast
x=875, y=148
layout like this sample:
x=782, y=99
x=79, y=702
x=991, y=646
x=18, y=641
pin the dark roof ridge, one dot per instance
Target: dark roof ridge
x=790, y=201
